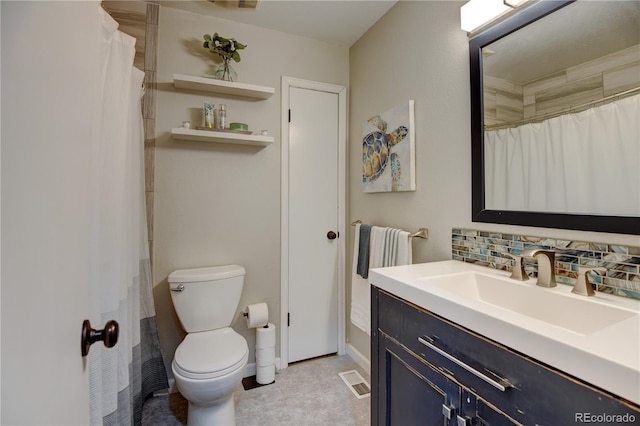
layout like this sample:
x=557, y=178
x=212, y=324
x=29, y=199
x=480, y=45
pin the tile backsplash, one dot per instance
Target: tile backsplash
x=488, y=248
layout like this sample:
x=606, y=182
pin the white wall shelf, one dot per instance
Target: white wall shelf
x=181, y=133
x=223, y=87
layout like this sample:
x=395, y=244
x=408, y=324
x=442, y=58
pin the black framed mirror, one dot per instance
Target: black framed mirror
x=480, y=47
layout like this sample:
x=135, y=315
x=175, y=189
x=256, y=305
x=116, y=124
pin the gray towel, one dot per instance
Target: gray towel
x=363, y=251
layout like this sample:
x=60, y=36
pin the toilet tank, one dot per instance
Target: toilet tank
x=206, y=298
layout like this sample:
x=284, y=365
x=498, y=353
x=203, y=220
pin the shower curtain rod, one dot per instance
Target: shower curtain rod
x=420, y=233
x=575, y=108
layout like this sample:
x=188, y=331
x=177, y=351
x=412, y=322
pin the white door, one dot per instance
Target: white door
x=48, y=63
x=313, y=223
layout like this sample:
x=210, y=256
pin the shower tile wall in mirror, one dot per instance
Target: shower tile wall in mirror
x=487, y=248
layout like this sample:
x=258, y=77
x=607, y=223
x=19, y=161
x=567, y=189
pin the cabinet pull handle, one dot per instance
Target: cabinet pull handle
x=447, y=411
x=502, y=385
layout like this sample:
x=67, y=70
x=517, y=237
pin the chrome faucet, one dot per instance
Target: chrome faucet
x=517, y=272
x=546, y=261
x=583, y=286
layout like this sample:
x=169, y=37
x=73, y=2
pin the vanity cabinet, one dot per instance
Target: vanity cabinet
x=428, y=370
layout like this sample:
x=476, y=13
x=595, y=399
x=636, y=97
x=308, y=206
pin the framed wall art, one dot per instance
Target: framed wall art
x=388, y=151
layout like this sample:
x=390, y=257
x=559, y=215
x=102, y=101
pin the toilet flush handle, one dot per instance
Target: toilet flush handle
x=180, y=287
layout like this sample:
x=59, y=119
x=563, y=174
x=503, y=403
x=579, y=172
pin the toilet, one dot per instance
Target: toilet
x=210, y=362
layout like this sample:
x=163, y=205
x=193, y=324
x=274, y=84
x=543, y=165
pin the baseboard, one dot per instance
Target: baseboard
x=359, y=358
x=171, y=389
x=250, y=369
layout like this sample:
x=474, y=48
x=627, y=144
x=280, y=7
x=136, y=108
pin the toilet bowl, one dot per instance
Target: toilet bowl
x=210, y=362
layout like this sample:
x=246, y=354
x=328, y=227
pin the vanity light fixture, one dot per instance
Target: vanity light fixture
x=476, y=13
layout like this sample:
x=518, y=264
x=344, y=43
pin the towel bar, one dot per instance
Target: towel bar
x=420, y=233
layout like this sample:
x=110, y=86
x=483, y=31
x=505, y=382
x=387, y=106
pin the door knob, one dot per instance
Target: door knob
x=108, y=335
x=332, y=235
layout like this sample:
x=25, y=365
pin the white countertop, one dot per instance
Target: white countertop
x=608, y=358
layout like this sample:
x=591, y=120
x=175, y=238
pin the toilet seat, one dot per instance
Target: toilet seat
x=210, y=354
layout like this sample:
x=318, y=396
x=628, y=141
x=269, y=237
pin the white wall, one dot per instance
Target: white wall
x=217, y=204
x=417, y=51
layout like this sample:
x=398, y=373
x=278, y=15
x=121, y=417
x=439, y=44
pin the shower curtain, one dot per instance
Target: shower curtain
x=120, y=282
x=585, y=162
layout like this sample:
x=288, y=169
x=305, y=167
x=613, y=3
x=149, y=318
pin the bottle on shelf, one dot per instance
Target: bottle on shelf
x=208, y=114
x=222, y=117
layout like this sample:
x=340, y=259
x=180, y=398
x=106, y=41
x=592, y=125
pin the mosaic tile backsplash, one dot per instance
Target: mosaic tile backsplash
x=488, y=248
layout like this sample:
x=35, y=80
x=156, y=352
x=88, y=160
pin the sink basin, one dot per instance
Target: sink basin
x=577, y=314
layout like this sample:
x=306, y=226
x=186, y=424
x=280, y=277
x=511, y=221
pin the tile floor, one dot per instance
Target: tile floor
x=305, y=393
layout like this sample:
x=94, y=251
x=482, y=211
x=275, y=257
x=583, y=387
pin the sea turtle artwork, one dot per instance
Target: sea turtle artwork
x=377, y=152
x=388, y=150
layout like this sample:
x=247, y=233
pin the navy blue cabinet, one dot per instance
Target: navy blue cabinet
x=427, y=370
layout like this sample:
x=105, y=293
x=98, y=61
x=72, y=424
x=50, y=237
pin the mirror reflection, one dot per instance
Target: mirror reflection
x=561, y=108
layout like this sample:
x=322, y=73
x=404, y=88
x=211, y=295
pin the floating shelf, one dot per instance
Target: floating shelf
x=224, y=87
x=220, y=137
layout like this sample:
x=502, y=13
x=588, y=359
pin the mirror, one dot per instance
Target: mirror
x=549, y=63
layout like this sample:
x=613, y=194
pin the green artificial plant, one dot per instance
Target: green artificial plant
x=227, y=48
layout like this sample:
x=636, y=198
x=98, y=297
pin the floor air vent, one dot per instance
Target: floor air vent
x=356, y=383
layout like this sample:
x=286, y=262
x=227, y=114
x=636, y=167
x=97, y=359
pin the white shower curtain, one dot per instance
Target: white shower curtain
x=120, y=282
x=587, y=162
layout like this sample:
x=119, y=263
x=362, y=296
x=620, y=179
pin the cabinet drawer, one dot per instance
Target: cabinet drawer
x=531, y=392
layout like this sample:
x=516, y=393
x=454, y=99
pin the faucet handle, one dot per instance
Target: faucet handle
x=587, y=269
x=583, y=286
x=517, y=272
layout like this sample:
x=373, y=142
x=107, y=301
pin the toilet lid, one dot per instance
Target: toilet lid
x=210, y=354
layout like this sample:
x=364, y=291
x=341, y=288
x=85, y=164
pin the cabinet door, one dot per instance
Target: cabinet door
x=476, y=412
x=410, y=392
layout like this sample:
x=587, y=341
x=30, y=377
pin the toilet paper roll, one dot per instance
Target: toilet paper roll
x=265, y=356
x=266, y=336
x=265, y=374
x=257, y=315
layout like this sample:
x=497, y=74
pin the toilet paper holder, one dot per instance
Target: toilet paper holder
x=246, y=314
x=256, y=315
